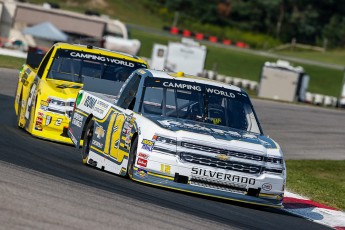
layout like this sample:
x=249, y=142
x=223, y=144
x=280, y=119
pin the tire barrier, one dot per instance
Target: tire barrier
x=240, y=82
x=310, y=98
x=321, y=100
x=200, y=36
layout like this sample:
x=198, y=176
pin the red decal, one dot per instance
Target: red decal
x=143, y=155
x=142, y=162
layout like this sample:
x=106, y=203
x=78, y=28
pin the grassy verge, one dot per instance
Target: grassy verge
x=248, y=66
x=11, y=62
x=333, y=57
x=320, y=180
x=133, y=11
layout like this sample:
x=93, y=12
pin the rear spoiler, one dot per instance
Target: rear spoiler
x=34, y=58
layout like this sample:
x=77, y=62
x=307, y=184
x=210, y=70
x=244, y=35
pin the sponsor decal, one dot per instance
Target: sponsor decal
x=185, y=85
x=147, y=144
x=220, y=92
x=100, y=132
x=141, y=172
x=181, y=86
x=101, y=106
x=222, y=176
x=266, y=186
x=223, y=157
x=141, y=71
x=77, y=120
x=38, y=127
x=127, y=127
x=143, y=155
x=44, y=108
x=72, y=137
x=172, y=124
x=44, y=103
x=142, y=162
x=97, y=144
x=39, y=120
x=132, y=119
x=95, y=57
x=48, y=120
x=64, y=86
x=90, y=102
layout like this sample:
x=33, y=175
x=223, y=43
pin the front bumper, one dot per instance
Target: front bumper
x=51, y=126
x=161, y=180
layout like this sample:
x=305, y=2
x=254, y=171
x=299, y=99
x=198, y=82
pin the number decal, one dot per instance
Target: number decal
x=115, y=139
x=165, y=168
x=58, y=122
x=109, y=132
x=31, y=95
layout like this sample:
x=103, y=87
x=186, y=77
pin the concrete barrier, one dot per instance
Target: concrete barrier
x=327, y=101
x=318, y=99
x=237, y=81
x=253, y=85
x=245, y=83
x=228, y=80
x=211, y=75
x=334, y=101
x=309, y=97
x=220, y=78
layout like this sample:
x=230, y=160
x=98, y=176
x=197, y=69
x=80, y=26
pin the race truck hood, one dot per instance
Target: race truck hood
x=62, y=89
x=217, y=132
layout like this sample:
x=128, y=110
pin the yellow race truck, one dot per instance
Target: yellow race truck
x=47, y=88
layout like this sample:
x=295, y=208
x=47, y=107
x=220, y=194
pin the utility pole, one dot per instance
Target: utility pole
x=342, y=92
x=176, y=16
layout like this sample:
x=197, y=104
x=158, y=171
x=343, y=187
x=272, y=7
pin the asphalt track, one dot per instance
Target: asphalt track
x=43, y=185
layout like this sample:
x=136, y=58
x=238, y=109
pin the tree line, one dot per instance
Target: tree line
x=314, y=22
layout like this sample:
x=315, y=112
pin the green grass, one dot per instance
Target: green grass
x=320, y=180
x=11, y=62
x=132, y=11
x=248, y=66
x=332, y=57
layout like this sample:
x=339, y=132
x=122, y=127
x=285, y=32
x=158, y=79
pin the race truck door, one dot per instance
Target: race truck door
x=114, y=144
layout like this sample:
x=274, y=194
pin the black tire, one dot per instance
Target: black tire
x=86, y=143
x=132, y=157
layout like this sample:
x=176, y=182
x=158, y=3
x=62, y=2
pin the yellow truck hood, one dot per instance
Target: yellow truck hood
x=61, y=89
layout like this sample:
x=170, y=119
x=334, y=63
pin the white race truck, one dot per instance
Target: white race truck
x=181, y=132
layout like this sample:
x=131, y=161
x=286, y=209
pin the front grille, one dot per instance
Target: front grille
x=213, y=185
x=204, y=148
x=214, y=162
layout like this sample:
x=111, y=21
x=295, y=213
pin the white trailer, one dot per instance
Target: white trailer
x=281, y=81
x=187, y=56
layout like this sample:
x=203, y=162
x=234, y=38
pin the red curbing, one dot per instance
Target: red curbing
x=314, y=211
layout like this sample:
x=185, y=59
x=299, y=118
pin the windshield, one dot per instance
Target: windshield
x=74, y=66
x=199, y=102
